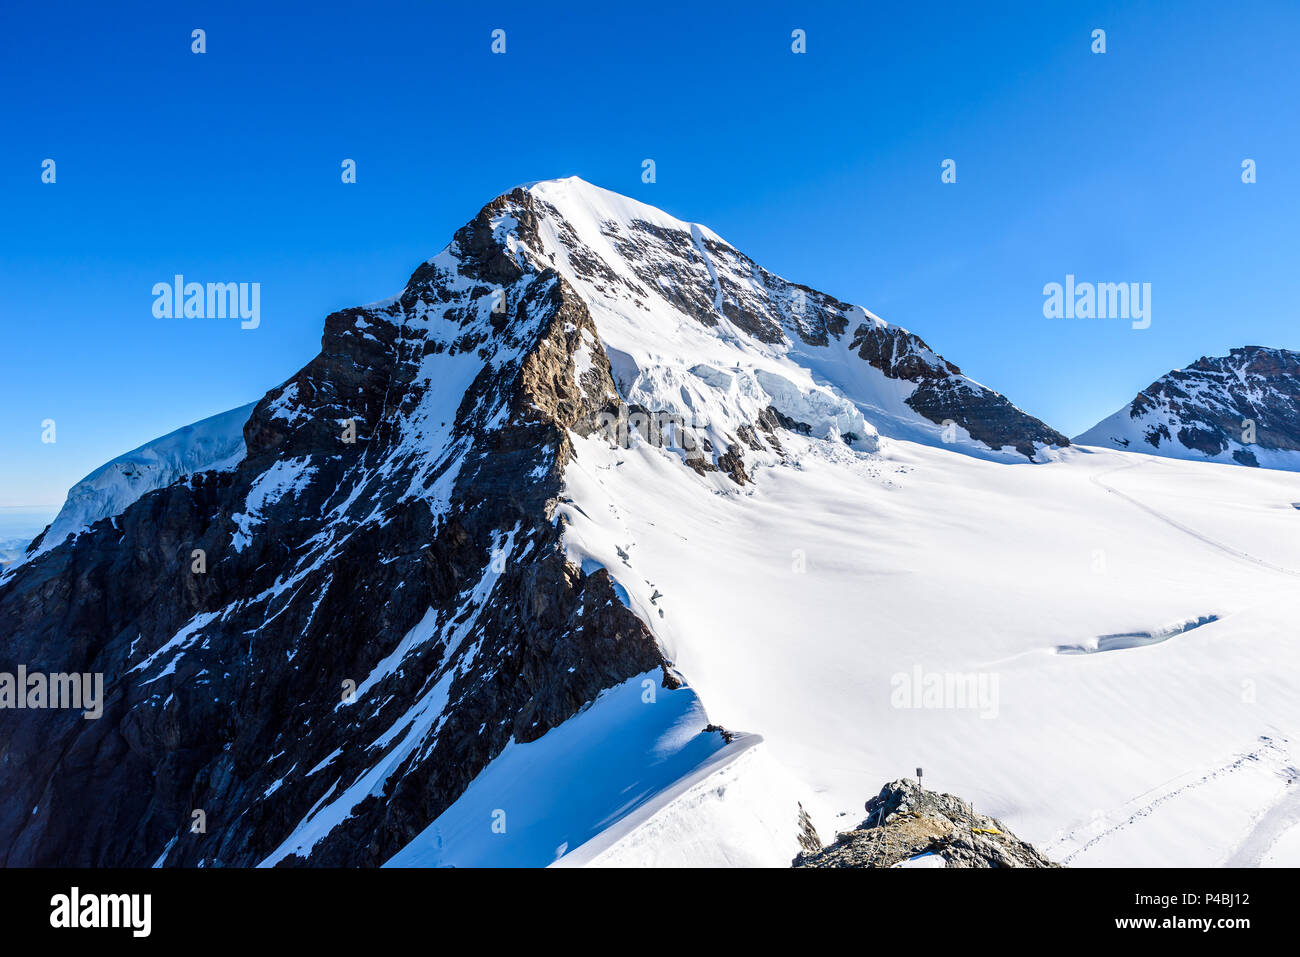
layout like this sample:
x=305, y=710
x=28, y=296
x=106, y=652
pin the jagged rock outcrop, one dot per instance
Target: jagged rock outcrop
x=905, y=822
x=1243, y=407
x=943, y=394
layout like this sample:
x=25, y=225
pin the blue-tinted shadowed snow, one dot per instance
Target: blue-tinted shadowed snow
x=590, y=566
x=554, y=794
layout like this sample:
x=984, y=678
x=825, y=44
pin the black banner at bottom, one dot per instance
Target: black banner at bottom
x=342, y=908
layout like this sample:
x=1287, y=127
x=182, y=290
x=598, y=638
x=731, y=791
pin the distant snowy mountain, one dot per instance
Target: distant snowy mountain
x=599, y=544
x=1242, y=408
x=213, y=443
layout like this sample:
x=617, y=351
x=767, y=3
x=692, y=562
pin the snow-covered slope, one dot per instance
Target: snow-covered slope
x=216, y=442
x=647, y=737
x=1243, y=408
x=828, y=606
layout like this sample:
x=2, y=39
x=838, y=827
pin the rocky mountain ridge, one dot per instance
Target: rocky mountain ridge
x=1242, y=408
x=312, y=650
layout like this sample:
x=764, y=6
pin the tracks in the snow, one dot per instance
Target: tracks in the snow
x=1204, y=539
x=1268, y=750
x=1274, y=823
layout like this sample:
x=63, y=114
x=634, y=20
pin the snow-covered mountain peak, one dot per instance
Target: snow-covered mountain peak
x=460, y=509
x=674, y=305
x=1241, y=408
x=583, y=205
x=688, y=326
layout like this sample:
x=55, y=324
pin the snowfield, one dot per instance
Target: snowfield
x=799, y=608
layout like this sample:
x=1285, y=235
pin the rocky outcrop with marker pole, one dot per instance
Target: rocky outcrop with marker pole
x=908, y=826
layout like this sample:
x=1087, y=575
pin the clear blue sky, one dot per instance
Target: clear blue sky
x=824, y=167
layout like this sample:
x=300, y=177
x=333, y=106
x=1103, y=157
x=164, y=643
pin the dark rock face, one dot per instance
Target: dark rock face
x=1215, y=395
x=905, y=820
x=416, y=565
x=808, y=839
x=943, y=394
